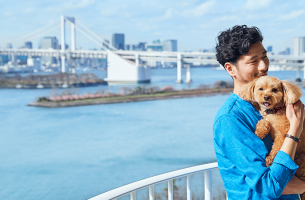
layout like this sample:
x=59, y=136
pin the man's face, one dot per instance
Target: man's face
x=252, y=65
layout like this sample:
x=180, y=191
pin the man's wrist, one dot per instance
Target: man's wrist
x=294, y=131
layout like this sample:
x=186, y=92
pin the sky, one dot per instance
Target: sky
x=194, y=23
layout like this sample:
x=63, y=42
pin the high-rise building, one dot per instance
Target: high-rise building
x=28, y=45
x=298, y=46
x=170, y=45
x=141, y=46
x=286, y=52
x=118, y=40
x=49, y=43
x=9, y=46
x=127, y=47
x=3, y=59
x=269, y=49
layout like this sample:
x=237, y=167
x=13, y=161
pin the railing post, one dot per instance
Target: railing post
x=151, y=192
x=188, y=188
x=133, y=196
x=170, y=190
x=208, y=185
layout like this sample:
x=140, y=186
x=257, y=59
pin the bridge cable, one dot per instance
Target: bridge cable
x=102, y=40
x=43, y=33
x=93, y=40
x=33, y=33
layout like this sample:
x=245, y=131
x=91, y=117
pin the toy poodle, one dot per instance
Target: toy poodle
x=272, y=95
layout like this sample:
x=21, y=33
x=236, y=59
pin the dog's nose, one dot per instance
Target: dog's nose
x=266, y=98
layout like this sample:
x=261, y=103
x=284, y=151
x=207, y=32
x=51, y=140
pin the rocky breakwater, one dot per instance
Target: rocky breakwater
x=60, y=80
x=139, y=93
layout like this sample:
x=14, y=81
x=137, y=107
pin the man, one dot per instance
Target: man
x=240, y=153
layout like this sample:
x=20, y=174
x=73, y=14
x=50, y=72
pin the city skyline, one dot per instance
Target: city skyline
x=195, y=24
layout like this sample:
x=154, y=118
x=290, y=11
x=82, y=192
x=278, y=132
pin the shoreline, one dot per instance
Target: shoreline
x=133, y=98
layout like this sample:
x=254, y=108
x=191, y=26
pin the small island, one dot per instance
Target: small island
x=126, y=95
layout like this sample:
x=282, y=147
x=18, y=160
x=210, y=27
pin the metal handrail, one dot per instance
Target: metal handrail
x=150, y=182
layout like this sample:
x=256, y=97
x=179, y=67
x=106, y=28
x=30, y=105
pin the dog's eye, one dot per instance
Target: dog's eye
x=261, y=89
x=274, y=90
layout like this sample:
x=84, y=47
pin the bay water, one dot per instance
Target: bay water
x=80, y=152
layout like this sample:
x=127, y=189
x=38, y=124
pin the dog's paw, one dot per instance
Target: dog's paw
x=269, y=161
x=262, y=128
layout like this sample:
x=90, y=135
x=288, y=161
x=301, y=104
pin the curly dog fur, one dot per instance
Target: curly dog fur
x=269, y=92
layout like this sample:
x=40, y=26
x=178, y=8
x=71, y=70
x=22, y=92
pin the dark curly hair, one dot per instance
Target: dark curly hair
x=234, y=42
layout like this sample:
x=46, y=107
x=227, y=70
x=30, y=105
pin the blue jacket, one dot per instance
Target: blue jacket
x=241, y=155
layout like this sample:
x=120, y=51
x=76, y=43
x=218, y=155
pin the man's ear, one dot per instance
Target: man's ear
x=292, y=92
x=247, y=91
x=231, y=69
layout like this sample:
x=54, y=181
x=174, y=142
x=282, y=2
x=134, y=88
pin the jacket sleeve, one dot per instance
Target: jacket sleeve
x=238, y=144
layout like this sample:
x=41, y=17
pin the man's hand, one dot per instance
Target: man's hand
x=295, y=115
x=294, y=186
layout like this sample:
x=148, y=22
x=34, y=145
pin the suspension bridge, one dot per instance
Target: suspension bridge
x=128, y=66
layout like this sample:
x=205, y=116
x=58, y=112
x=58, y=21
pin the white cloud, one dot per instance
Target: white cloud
x=168, y=14
x=292, y=15
x=28, y=10
x=200, y=10
x=81, y=4
x=226, y=18
x=257, y=4
x=8, y=13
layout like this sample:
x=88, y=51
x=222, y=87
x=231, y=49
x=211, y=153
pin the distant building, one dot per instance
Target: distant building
x=9, y=46
x=127, y=47
x=48, y=43
x=170, y=45
x=166, y=45
x=67, y=46
x=118, y=40
x=298, y=46
x=286, y=52
x=269, y=49
x=155, y=46
x=3, y=59
x=141, y=46
x=28, y=45
x=22, y=60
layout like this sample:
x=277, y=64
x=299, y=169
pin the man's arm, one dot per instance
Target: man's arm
x=295, y=115
x=294, y=186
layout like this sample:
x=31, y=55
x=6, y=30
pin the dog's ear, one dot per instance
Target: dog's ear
x=247, y=91
x=292, y=92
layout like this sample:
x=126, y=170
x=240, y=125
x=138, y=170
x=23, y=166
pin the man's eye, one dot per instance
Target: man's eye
x=261, y=89
x=265, y=57
x=253, y=61
x=274, y=90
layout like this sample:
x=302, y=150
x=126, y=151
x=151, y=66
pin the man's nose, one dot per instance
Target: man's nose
x=263, y=65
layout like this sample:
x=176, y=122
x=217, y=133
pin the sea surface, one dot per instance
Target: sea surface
x=80, y=152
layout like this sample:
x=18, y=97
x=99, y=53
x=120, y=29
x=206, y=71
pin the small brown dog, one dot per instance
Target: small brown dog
x=272, y=96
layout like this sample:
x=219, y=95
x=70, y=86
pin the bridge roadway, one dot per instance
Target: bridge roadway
x=283, y=62
x=187, y=57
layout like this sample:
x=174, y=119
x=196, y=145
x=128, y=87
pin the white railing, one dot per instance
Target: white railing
x=132, y=188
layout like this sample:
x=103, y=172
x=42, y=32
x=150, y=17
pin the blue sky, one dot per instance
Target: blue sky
x=195, y=24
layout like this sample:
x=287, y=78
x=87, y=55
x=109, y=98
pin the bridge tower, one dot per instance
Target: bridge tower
x=63, y=41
